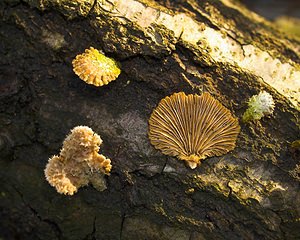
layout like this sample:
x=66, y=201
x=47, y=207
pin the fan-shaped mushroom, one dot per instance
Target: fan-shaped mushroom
x=192, y=127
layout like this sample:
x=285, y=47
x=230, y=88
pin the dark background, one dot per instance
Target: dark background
x=271, y=9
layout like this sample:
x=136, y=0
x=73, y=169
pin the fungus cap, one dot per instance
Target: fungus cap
x=192, y=127
x=95, y=68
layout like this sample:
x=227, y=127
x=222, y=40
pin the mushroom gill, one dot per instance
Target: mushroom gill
x=95, y=68
x=192, y=127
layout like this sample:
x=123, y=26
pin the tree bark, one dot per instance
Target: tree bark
x=163, y=47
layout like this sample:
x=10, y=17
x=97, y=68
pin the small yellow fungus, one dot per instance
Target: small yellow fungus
x=192, y=127
x=78, y=163
x=95, y=68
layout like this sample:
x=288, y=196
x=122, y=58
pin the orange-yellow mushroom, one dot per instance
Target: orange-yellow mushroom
x=95, y=68
x=192, y=127
x=79, y=163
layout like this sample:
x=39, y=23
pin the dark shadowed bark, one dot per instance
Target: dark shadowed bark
x=163, y=47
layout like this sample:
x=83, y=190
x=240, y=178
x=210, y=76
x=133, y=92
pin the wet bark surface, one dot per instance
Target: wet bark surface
x=249, y=193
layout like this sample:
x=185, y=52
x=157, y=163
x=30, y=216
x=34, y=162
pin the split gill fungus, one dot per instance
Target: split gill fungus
x=78, y=163
x=192, y=127
x=95, y=68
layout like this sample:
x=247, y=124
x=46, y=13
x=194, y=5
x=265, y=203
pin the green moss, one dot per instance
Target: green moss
x=251, y=114
x=113, y=67
x=258, y=106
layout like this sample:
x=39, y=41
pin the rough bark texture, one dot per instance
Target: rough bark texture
x=164, y=47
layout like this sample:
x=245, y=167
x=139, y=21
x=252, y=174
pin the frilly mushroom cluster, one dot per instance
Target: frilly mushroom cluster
x=192, y=127
x=95, y=68
x=79, y=163
x=259, y=106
